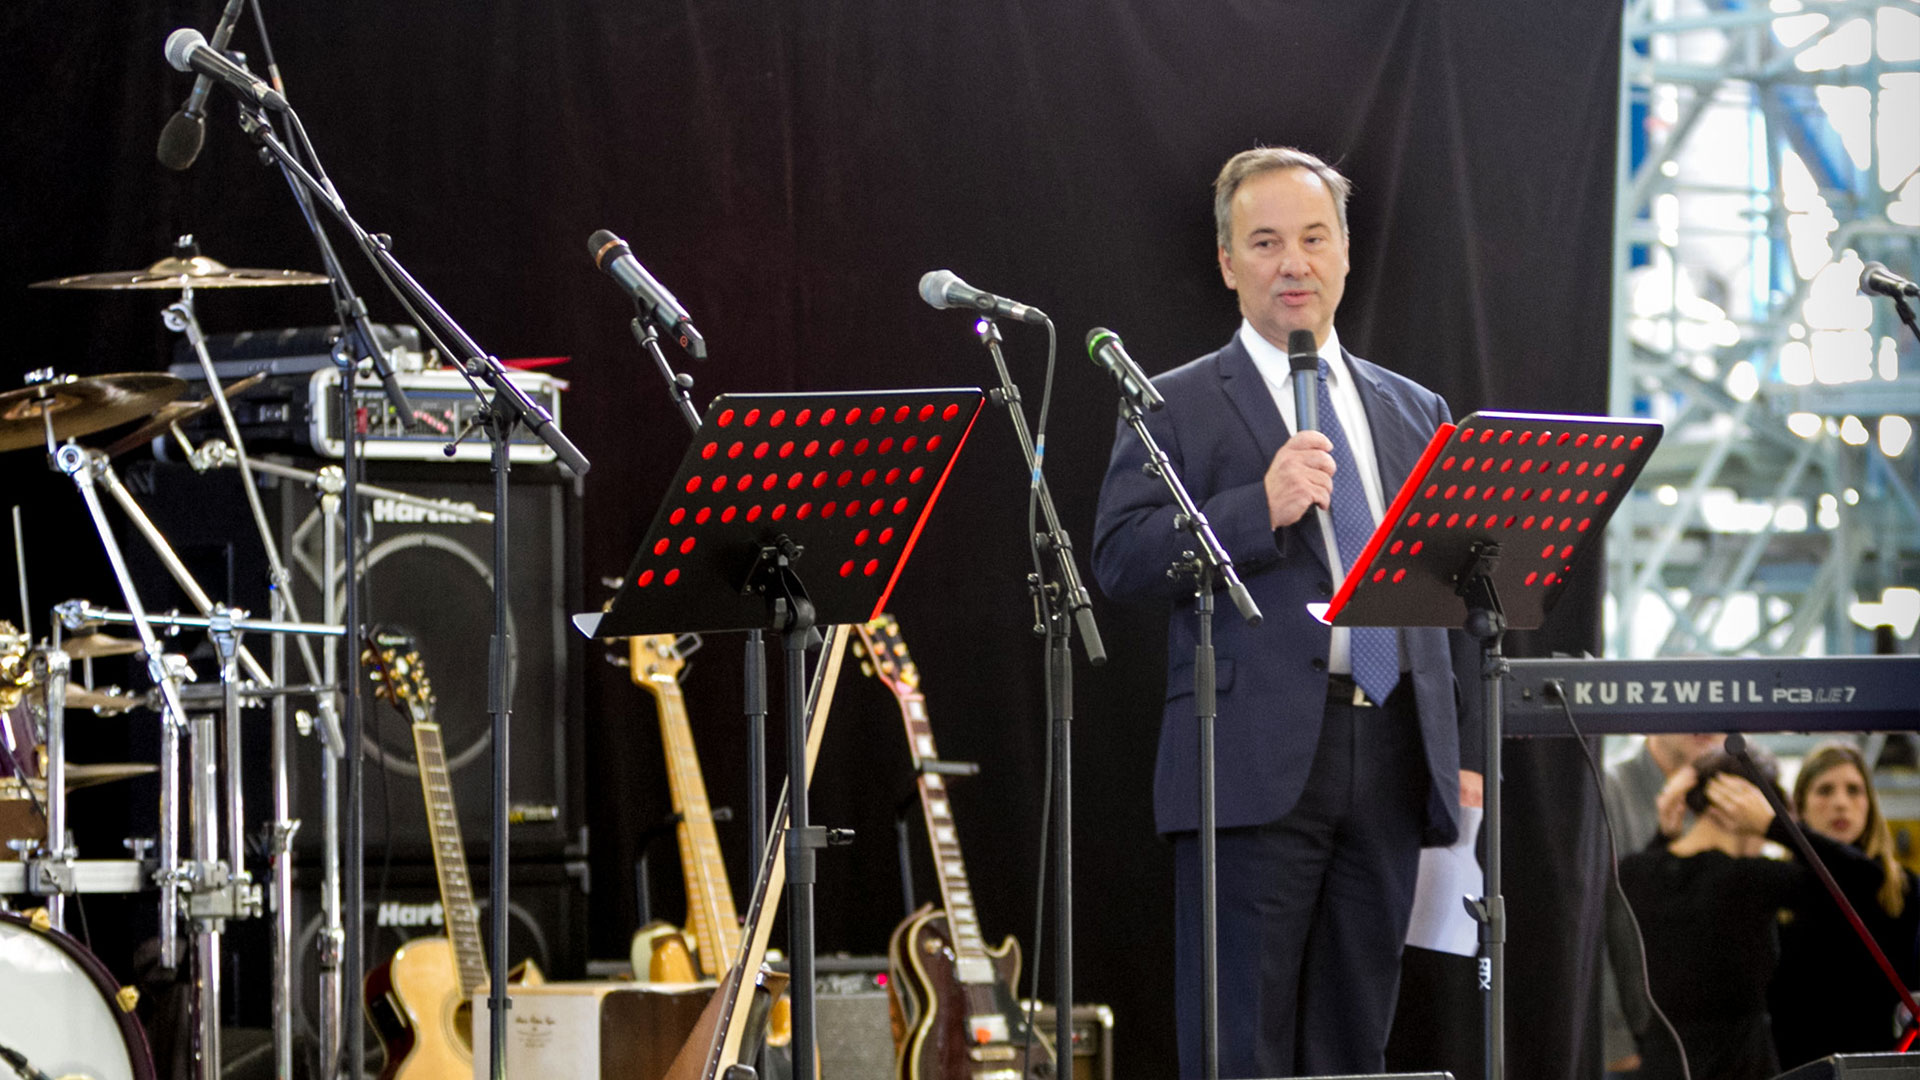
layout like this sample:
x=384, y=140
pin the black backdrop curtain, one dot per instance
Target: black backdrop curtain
x=789, y=170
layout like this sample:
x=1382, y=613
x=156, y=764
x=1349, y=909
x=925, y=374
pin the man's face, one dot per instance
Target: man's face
x=1288, y=259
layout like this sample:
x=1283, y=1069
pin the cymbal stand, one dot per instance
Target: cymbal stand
x=180, y=317
x=83, y=468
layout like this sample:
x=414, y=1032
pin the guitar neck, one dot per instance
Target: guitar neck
x=956, y=894
x=450, y=858
x=710, y=911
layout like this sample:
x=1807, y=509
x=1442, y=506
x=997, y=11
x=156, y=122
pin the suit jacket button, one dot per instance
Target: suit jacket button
x=1325, y=587
x=1317, y=664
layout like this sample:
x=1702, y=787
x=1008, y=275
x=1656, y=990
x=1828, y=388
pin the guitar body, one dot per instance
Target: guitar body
x=423, y=1020
x=940, y=1010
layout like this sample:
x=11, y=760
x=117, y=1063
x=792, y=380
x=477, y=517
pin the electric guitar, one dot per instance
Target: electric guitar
x=421, y=1000
x=956, y=997
x=712, y=933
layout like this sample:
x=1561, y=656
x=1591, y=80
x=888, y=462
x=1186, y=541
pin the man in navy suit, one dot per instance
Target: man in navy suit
x=1338, y=753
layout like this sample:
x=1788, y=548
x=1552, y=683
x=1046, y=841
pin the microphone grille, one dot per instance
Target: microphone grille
x=1098, y=334
x=180, y=46
x=1303, y=353
x=180, y=140
x=933, y=287
x=601, y=244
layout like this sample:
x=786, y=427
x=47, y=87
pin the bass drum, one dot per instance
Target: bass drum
x=58, y=1009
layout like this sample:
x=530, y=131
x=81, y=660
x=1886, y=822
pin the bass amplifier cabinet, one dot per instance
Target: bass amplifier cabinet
x=1870, y=1066
x=428, y=574
x=1092, y=1039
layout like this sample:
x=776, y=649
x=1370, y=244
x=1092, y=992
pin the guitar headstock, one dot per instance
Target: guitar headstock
x=883, y=654
x=659, y=655
x=399, y=675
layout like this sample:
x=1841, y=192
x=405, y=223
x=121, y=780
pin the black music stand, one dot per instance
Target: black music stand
x=1483, y=536
x=843, y=482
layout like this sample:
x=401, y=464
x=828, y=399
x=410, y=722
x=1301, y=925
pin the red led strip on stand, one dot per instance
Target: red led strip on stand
x=848, y=477
x=1542, y=487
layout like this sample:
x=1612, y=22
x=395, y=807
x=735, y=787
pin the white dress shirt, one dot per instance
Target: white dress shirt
x=1271, y=360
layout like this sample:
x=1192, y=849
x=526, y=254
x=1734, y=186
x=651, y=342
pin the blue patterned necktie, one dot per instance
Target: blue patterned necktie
x=1374, y=650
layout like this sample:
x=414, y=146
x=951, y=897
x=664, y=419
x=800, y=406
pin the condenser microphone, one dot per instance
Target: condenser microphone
x=188, y=51
x=611, y=254
x=180, y=139
x=944, y=289
x=1303, y=357
x=1876, y=278
x=1105, y=348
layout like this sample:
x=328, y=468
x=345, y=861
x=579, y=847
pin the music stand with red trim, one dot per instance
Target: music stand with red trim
x=1498, y=514
x=843, y=482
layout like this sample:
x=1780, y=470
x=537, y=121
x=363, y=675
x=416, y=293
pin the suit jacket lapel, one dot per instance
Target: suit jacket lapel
x=1242, y=384
x=1397, y=442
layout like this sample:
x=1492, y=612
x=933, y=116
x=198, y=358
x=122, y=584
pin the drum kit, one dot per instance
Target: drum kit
x=59, y=1010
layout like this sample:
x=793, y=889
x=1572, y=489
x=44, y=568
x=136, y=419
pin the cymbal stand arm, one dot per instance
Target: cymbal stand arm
x=83, y=470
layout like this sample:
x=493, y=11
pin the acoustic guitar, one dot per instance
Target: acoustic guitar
x=420, y=1000
x=956, y=996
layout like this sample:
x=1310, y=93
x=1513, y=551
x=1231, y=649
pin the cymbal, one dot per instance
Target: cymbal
x=81, y=406
x=174, y=412
x=197, y=272
x=79, y=776
x=81, y=697
x=93, y=646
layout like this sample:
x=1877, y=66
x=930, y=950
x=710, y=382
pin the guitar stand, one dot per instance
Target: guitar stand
x=1456, y=550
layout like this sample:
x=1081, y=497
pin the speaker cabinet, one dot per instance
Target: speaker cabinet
x=428, y=574
x=853, y=1019
x=1092, y=1029
x=1870, y=1066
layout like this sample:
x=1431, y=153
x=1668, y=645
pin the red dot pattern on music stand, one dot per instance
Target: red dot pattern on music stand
x=1533, y=485
x=881, y=467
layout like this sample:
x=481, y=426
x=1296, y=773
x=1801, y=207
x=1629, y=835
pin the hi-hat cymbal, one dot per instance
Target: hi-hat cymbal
x=81, y=406
x=94, y=646
x=79, y=776
x=195, y=272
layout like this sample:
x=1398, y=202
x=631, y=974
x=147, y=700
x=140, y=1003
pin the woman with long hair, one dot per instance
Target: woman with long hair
x=1828, y=995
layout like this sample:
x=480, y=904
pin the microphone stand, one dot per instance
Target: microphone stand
x=646, y=331
x=1208, y=561
x=1060, y=601
x=507, y=407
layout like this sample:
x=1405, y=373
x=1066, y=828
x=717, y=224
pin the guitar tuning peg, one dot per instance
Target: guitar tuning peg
x=866, y=669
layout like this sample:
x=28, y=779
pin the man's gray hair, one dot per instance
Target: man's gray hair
x=1264, y=159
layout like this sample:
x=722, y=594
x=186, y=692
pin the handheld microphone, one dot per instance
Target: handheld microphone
x=1303, y=357
x=611, y=254
x=1105, y=348
x=1876, y=278
x=944, y=289
x=188, y=51
x=180, y=139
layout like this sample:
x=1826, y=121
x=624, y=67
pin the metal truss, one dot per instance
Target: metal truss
x=1765, y=152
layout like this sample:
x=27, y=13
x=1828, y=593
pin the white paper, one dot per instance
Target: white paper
x=1447, y=876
